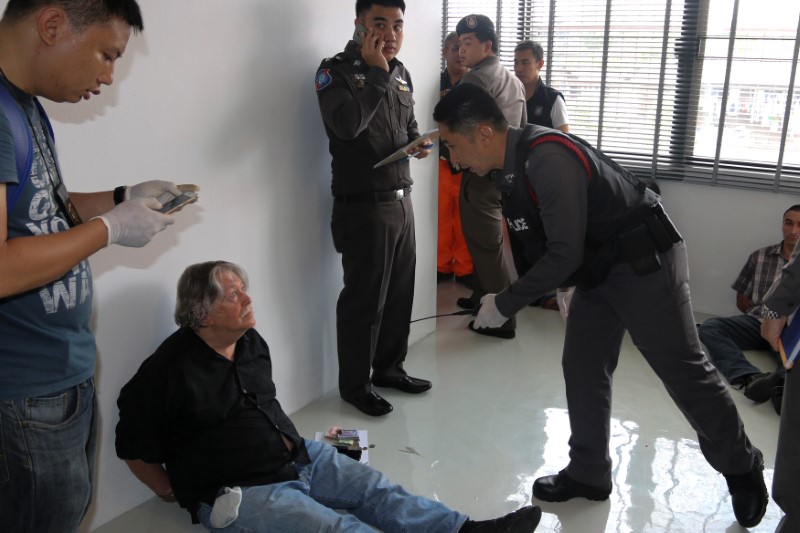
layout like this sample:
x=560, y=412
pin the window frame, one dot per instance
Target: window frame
x=673, y=146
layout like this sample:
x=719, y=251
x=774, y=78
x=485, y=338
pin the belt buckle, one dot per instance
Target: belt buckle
x=399, y=194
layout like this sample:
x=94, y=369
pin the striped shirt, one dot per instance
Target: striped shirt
x=758, y=274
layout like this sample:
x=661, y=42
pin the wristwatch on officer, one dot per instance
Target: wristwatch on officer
x=119, y=194
x=766, y=312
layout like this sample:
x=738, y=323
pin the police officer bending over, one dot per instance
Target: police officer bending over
x=584, y=220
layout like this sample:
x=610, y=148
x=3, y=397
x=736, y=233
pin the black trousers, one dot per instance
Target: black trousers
x=378, y=250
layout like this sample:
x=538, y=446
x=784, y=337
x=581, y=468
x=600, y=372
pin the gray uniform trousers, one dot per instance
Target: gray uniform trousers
x=656, y=310
x=482, y=224
x=786, y=483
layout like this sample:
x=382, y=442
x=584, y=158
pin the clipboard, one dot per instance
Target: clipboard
x=402, y=153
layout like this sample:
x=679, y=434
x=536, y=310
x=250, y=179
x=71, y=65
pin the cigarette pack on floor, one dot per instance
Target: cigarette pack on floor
x=350, y=442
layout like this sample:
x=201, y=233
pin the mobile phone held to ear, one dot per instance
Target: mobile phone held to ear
x=171, y=203
x=359, y=34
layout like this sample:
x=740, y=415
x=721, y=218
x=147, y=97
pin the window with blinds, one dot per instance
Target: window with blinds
x=695, y=90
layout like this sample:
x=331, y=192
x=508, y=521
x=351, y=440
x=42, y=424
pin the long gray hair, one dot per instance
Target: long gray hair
x=199, y=289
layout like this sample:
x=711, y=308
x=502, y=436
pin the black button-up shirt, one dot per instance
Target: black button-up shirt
x=212, y=422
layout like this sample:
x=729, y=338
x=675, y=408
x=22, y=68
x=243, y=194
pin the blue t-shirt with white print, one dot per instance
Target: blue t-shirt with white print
x=46, y=344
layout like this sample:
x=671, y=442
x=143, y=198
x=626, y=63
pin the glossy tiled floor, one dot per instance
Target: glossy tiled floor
x=496, y=419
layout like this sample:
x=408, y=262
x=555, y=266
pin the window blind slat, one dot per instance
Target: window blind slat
x=667, y=86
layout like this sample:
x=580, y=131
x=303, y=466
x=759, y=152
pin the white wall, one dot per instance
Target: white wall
x=722, y=227
x=222, y=94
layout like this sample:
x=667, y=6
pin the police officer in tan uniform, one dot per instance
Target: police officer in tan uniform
x=481, y=219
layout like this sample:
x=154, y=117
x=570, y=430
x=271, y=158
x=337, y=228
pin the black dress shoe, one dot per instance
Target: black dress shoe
x=522, y=520
x=759, y=386
x=465, y=303
x=560, y=488
x=404, y=383
x=467, y=280
x=370, y=403
x=749, y=493
x=493, y=332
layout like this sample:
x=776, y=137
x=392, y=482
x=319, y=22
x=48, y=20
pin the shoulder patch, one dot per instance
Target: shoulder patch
x=323, y=78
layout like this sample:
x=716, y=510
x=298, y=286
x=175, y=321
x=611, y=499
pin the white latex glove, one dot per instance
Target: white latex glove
x=154, y=189
x=135, y=222
x=488, y=315
x=564, y=297
x=226, y=507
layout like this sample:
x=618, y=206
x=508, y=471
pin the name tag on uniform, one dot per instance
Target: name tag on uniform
x=403, y=84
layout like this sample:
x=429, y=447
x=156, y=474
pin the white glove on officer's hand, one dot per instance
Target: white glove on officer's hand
x=135, y=222
x=564, y=297
x=154, y=189
x=488, y=315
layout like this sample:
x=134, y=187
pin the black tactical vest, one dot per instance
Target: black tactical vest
x=541, y=104
x=617, y=200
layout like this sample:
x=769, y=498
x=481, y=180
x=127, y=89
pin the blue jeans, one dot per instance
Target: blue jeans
x=47, y=449
x=334, y=481
x=726, y=337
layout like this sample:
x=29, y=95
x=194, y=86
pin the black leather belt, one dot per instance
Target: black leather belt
x=374, y=196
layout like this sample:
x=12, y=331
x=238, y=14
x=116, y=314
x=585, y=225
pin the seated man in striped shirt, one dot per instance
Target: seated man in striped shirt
x=725, y=338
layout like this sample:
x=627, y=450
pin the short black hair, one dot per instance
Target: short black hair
x=364, y=5
x=465, y=107
x=81, y=13
x=533, y=46
x=450, y=36
x=795, y=207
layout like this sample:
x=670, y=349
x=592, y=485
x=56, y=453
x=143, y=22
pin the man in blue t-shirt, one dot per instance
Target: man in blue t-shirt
x=65, y=52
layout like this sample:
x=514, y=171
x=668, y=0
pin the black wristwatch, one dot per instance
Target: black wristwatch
x=119, y=194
